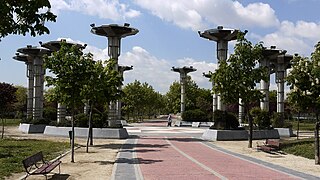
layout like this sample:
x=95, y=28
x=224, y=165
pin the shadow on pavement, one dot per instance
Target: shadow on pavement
x=60, y=177
x=137, y=161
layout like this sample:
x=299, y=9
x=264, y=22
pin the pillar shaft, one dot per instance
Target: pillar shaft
x=183, y=76
x=222, y=50
x=214, y=100
x=30, y=76
x=264, y=87
x=38, y=85
x=61, y=113
x=114, y=44
x=241, y=111
x=280, y=90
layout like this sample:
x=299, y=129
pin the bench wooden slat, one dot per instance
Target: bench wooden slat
x=47, y=168
x=35, y=164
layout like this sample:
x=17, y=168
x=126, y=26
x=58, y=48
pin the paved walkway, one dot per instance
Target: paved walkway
x=158, y=152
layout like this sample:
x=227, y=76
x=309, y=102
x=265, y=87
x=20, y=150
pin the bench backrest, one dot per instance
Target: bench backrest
x=32, y=160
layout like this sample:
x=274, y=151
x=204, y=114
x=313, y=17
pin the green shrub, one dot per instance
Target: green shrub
x=279, y=122
x=81, y=120
x=261, y=118
x=50, y=113
x=195, y=115
x=224, y=120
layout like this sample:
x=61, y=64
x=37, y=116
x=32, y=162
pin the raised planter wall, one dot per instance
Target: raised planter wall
x=31, y=128
x=108, y=133
x=285, y=132
x=229, y=135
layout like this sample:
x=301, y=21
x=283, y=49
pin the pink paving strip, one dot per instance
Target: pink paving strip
x=228, y=166
x=159, y=160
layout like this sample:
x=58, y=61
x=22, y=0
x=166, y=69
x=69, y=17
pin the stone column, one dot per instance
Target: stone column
x=37, y=97
x=241, y=111
x=61, y=113
x=183, y=77
x=280, y=86
x=30, y=75
x=114, y=44
x=264, y=87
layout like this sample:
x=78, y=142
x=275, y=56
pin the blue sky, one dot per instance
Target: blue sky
x=168, y=33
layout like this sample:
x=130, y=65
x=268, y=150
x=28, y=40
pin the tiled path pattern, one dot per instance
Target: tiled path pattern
x=184, y=157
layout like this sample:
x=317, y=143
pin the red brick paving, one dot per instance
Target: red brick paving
x=159, y=160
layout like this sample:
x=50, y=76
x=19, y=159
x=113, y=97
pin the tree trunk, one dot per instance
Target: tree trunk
x=250, y=126
x=89, y=138
x=298, y=128
x=2, y=133
x=72, y=135
x=316, y=143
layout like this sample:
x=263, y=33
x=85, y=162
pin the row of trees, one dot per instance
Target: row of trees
x=141, y=100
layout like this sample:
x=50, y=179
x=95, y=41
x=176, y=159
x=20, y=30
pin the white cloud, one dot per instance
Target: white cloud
x=197, y=14
x=107, y=9
x=156, y=72
x=299, y=37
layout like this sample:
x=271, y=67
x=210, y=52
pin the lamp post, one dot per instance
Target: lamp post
x=222, y=37
x=183, y=79
x=114, y=33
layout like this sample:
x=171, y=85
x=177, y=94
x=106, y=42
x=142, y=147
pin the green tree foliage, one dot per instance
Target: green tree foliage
x=69, y=65
x=224, y=120
x=196, y=98
x=261, y=118
x=141, y=100
x=7, y=99
x=21, y=105
x=238, y=76
x=21, y=17
x=304, y=82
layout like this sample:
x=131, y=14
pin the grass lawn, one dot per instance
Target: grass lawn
x=303, y=126
x=10, y=122
x=301, y=147
x=13, y=151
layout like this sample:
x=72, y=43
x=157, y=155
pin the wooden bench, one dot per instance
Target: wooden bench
x=35, y=165
x=270, y=145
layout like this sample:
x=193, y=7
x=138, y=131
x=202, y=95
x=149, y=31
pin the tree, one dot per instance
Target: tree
x=101, y=87
x=7, y=98
x=238, y=76
x=141, y=100
x=304, y=82
x=69, y=65
x=196, y=98
x=21, y=17
x=20, y=105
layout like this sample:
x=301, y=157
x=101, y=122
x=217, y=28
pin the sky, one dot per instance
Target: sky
x=168, y=34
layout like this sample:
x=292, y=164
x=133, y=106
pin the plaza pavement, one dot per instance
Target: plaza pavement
x=155, y=151
x=158, y=152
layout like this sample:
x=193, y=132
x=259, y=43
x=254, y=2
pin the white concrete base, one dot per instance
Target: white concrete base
x=202, y=124
x=285, y=132
x=229, y=135
x=107, y=133
x=183, y=123
x=31, y=128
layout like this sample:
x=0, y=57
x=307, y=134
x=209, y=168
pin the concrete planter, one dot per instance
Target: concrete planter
x=202, y=124
x=285, y=132
x=229, y=135
x=31, y=128
x=107, y=133
x=183, y=123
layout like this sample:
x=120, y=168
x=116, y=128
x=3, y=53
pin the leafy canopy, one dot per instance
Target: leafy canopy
x=238, y=76
x=21, y=17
